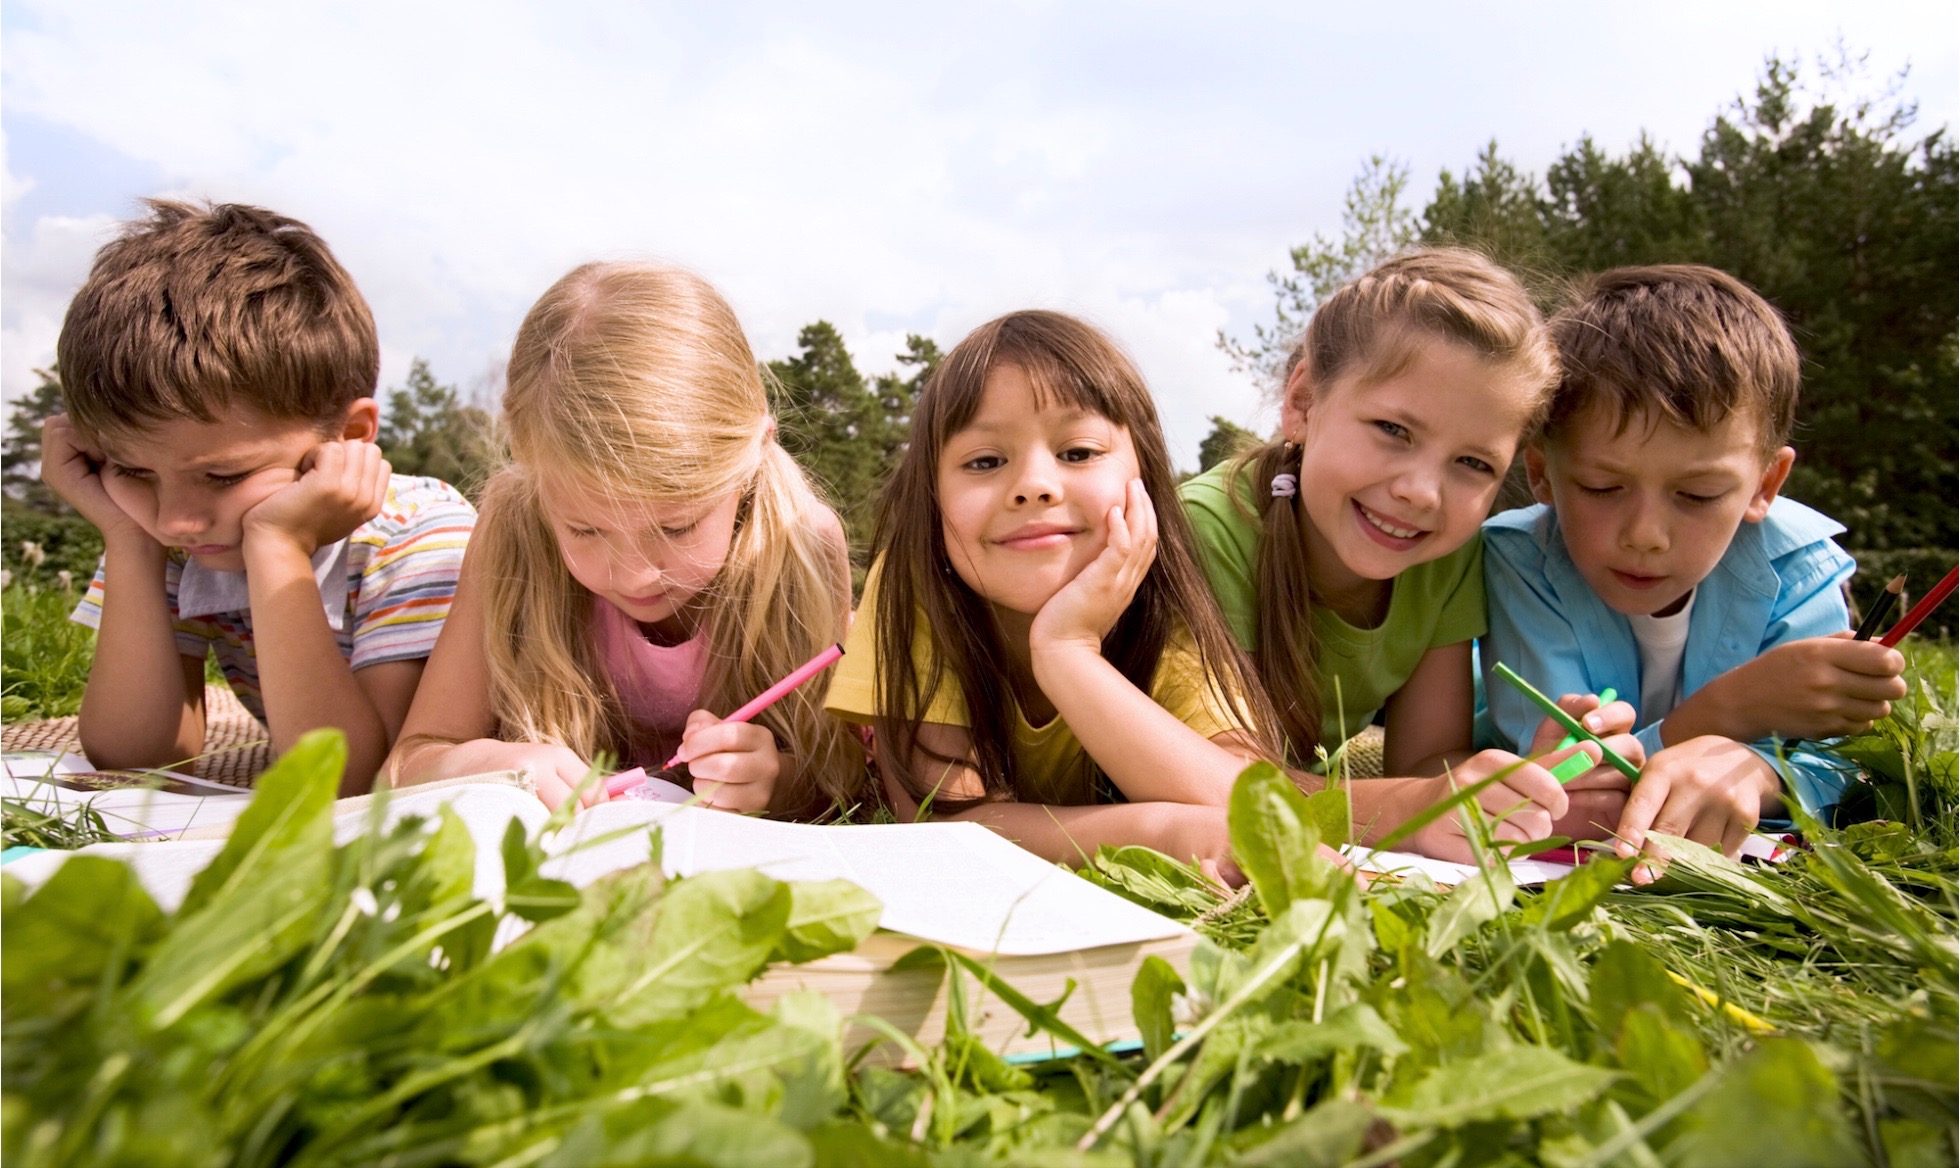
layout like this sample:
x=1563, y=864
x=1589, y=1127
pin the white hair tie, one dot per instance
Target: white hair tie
x=1285, y=486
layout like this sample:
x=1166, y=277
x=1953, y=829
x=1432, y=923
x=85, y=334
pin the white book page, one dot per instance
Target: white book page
x=954, y=883
x=1523, y=872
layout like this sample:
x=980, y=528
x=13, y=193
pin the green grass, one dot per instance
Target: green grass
x=45, y=656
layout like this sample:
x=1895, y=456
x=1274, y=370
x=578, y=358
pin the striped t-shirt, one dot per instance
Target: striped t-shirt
x=401, y=568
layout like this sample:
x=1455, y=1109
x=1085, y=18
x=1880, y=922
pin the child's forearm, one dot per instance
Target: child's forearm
x=1716, y=708
x=1145, y=750
x=305, y=682
x=136, y=710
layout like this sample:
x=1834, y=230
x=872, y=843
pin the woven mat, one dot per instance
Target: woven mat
x=1364, y=754
x=236, y=748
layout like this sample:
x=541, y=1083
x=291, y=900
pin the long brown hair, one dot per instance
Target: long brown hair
x=1370, y=330
x=1071, y=362
x=634, y=381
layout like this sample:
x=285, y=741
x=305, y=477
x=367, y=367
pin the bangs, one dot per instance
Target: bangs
x=1068, y=363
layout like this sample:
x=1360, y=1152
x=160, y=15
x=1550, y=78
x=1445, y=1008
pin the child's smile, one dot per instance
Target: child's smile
x=1024, y=489
x=1402, y=470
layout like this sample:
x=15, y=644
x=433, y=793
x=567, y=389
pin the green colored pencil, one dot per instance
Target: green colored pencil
x=1566, y=720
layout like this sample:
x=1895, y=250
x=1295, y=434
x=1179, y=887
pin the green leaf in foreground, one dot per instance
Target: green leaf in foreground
x=1791, y=1104
x=1276, y=836
x=1523, y=1082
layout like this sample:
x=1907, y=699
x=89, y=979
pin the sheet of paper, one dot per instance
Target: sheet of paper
x=1523, y=872
x=955, y=883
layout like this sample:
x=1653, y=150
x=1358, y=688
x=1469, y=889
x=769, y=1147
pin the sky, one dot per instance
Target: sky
x=890, y=168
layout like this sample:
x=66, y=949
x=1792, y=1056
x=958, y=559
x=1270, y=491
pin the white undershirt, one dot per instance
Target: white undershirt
x=1663, y=642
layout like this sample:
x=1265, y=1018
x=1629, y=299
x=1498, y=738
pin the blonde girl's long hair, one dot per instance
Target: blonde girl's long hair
x=634, y=382
x=1369, y=331
x=1069, y=362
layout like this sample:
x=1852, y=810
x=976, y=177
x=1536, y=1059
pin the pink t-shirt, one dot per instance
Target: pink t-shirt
x=660, y=685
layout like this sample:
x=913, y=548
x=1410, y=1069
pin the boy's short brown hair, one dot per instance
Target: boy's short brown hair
x=193, y=310
x=1683, y=342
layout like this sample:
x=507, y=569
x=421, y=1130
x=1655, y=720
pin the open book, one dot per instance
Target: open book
x=957, y=885
x=158, y=804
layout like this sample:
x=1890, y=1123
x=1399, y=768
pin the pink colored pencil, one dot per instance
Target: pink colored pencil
x=1922, y=610
x=776, y=693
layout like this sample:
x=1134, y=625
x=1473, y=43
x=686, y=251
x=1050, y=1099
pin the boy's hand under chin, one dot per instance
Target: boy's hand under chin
x=1711, y=790
x=75, y=474
x=1087, y=607
x=342, y=484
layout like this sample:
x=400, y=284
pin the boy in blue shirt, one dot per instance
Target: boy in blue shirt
x=1661, y=562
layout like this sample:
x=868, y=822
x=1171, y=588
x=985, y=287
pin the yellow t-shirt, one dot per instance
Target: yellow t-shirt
x=1048, y=760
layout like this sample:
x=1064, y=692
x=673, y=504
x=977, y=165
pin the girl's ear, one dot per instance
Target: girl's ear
x=1772, y=481
x=1294, y=401
x=362, y=422
x=1534, y=474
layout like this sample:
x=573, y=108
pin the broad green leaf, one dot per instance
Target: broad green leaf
x=1275, y=837
x=1333, y=815
x=1910, y=1143
x=1566, y=901
x=520, y=860
x=1661, y=1056
x=825, y=917
x=291, y=812
x=1523, y=1082
x=1151, y=992
x=839, y=1144
x=1473, y=904
x=698, y=1135
x=1352, y=1026
x=538, y=898
x=1625, y=976
x=263, y=896
x=89, y=912
x=712, y=932
x=1328, y=1135
x=1793, y=1115
x=812, y=1090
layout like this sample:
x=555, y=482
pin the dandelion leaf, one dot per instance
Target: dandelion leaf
x=1790, y=1101
x=1276, y=836
x=1522, y=1082
x=825, y=917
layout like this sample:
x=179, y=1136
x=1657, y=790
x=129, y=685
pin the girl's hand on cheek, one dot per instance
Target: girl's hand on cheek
x=1087, y=607
x=734, y=764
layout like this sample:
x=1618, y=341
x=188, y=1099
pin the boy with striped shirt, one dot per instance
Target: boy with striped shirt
x=218, y=369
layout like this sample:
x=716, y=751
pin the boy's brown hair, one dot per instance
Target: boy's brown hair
x=193, y=310
x=1683, y=342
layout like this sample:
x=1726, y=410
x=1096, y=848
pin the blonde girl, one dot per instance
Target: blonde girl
x=1037, y=649
x=1345, y=554
x=648, y=559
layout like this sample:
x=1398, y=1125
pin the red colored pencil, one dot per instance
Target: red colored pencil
x=1922, y=610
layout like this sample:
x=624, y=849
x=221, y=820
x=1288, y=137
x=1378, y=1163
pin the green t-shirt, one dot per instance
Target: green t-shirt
x=1439, y=602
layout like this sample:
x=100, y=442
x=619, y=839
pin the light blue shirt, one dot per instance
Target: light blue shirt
x=1778, y=581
